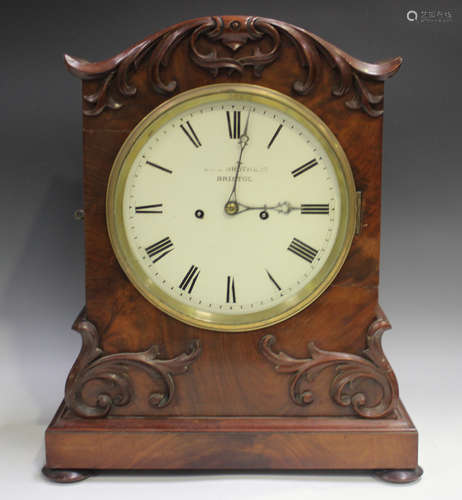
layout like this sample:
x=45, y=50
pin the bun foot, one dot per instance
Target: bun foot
x=401, y=476
x=66, y=476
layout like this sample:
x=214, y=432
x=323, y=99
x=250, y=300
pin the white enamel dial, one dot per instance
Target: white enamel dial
x=219, y=252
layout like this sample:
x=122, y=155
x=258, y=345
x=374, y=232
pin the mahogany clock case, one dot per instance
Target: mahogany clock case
x=315, y=391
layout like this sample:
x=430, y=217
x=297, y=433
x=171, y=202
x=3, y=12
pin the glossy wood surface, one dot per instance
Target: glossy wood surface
x=232, y=443
x=232, y=409
x=231, y=377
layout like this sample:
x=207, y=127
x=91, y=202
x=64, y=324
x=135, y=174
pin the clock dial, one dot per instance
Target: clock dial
x=231, y=207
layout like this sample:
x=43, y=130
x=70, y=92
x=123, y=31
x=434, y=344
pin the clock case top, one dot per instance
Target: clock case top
x=232, y=375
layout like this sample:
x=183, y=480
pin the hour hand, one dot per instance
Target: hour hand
x=283, y=207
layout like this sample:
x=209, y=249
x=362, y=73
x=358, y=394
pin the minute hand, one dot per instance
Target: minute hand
x=231, y=206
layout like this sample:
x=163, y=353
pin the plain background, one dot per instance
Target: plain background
x=41, y=264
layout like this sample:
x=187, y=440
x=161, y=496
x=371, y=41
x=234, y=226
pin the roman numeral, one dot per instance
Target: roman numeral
x=190, y=279
x=273, y=280
x=159, y=167
x=321, y=208
x=302, y=250
x=303, y=168
x=191, y=134
x=160, y=249
x=234, y=124
x=149, y=209
x=274, y=136
x=230, y=290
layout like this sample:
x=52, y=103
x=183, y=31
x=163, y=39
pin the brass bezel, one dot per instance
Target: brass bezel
x=189, y=314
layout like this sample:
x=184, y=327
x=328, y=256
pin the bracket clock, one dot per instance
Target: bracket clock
x=232, y=181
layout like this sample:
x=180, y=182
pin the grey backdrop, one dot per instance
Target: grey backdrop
x=41, y=264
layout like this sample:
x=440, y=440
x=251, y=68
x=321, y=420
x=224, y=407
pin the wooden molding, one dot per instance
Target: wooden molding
x=110, y=371
x=244, y=443
x=333, y=408
x=350, y=369
x=228, y=34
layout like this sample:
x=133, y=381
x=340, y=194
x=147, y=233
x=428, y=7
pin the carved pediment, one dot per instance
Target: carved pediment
x=228, y=37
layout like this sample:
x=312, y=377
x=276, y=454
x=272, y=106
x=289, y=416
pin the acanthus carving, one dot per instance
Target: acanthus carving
x=233, y=33
x=350, y=369
x=110, y=371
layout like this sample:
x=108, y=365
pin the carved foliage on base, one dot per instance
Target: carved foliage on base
x=232, y=33
x=111, y=372
x=350, y=370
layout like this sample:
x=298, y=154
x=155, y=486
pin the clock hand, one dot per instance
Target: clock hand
x=232, y=205
x=283, y=207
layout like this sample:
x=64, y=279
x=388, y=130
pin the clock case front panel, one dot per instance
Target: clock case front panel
x=232, y=376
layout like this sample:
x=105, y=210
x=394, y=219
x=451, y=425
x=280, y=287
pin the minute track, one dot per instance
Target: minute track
x=198, y=256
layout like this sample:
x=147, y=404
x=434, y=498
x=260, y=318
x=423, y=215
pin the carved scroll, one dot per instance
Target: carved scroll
x=110, y=371
x=232, y=33
x=350, y=369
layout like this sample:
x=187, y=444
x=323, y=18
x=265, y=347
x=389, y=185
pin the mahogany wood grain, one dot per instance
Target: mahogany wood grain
x=231, y=443
x=233, y=378
x=232, y=410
